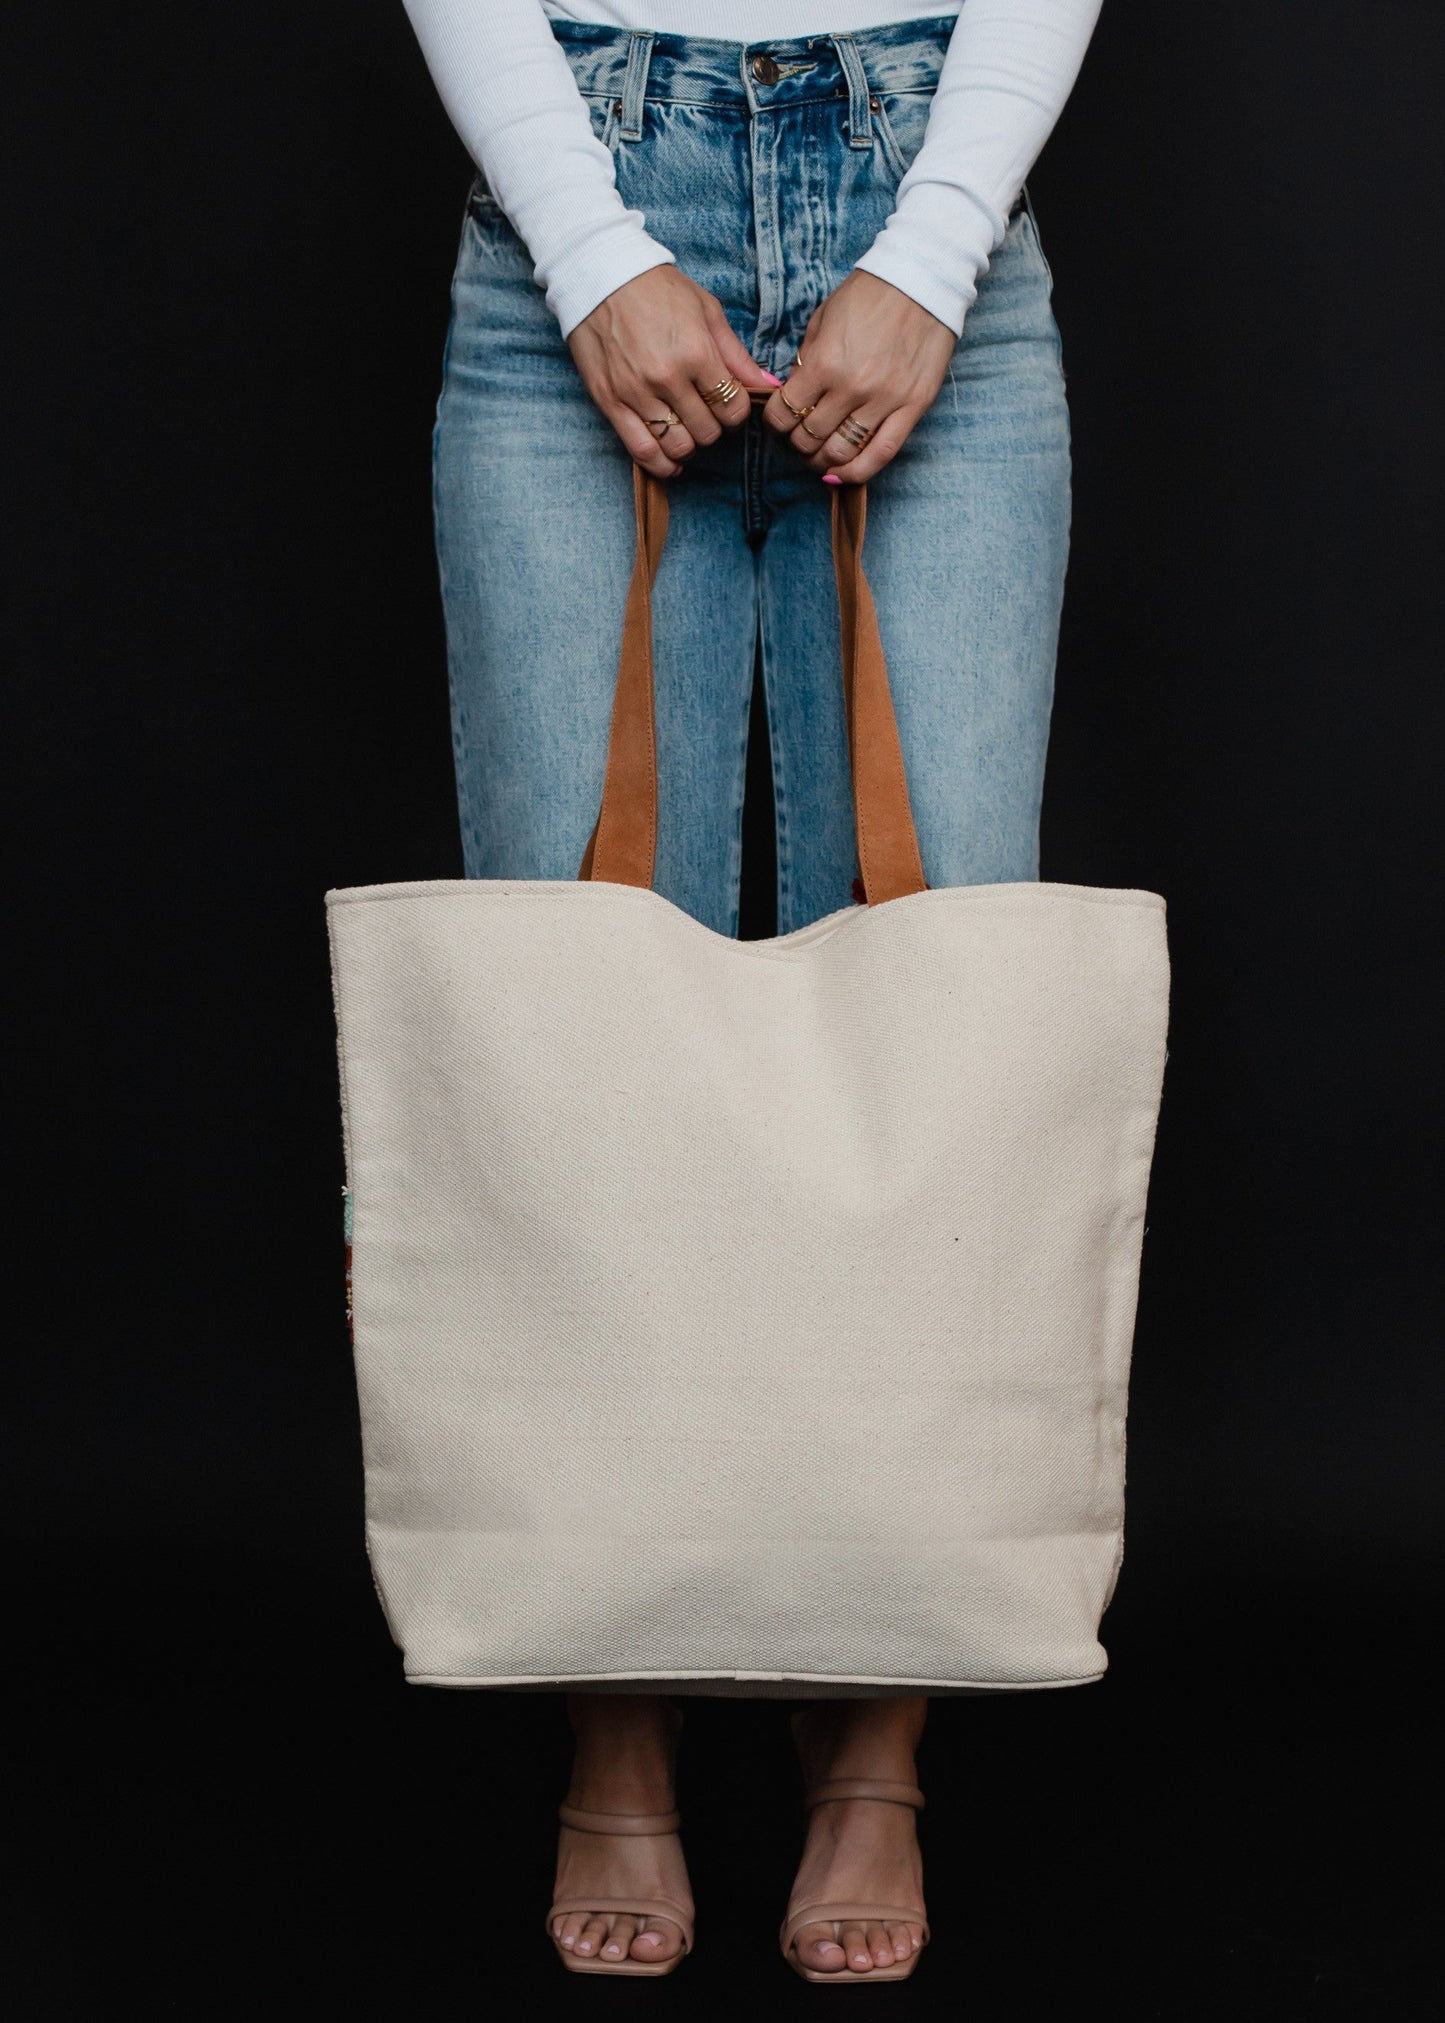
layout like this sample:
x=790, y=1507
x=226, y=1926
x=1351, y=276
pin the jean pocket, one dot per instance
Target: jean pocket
x=1032, y=227
x=480, y=201
x=606, y=116
x=602, y=111
x=900, y=120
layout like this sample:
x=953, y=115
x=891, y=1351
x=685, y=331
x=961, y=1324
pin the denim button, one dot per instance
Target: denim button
x=765, y=69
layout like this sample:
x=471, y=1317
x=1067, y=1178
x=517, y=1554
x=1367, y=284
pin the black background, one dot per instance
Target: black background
x=230, y=238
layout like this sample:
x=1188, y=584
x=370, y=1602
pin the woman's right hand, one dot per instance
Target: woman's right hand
x=655, y=346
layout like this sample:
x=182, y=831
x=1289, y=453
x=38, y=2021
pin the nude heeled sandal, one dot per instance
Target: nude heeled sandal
x=636, y=1907
x=886, y=1791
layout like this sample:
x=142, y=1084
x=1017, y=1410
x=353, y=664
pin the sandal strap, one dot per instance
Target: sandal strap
x=883, y=1788
x=848, y=1914
x=641, y=1908
x=618, y=1822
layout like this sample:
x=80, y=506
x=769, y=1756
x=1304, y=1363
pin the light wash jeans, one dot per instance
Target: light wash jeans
x=767, y=193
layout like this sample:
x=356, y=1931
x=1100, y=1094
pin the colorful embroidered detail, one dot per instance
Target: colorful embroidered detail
x=346, y=1228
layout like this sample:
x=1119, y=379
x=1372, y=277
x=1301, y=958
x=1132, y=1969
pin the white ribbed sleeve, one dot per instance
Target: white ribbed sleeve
x=510, y=94
x=1009, y=69
x=504, y=81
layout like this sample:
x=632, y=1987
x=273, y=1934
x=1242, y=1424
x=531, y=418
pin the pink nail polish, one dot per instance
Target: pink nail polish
x=770, y=377
x=831, y=478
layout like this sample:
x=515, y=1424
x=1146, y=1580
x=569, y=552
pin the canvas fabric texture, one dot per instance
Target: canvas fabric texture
x=753, y=1311
x=746, y=1316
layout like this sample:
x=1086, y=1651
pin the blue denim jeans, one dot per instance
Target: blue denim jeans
x=766, y=193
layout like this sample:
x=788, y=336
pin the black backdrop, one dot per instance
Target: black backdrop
x=230, y=235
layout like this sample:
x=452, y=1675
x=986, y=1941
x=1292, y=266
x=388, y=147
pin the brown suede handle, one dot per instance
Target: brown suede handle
x=623, y=845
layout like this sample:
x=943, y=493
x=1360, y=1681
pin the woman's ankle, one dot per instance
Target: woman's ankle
x=867, y=1738
x=641, y=1714
x=625, y=1752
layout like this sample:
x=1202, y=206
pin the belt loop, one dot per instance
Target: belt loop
x=860, y=120
x=634, y=86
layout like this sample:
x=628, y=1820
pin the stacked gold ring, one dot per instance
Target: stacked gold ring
x=853, y=431
x=722, y=393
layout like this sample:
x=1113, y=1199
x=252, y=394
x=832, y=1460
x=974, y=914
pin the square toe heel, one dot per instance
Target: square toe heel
x=637, y=1907
x=885, y=1792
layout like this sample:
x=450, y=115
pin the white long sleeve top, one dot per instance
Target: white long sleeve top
x=510, y=93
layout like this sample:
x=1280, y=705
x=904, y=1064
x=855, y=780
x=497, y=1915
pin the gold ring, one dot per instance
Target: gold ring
x=722, y=393
x=799, y=414
x=811, y=431
x=668, y=420
x=854, y=431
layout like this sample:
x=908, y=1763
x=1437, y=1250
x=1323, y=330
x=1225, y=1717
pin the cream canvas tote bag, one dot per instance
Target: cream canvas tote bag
x=746, y=1316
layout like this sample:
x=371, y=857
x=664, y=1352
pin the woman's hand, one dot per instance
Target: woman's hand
x=655, y=346
x=871, y=353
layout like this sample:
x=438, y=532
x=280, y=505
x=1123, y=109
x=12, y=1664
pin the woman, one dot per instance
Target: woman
x=760, y=266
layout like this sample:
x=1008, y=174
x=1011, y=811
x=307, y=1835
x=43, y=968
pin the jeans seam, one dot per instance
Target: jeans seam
x=454, y=679
x=740, y=796
x=782, y=841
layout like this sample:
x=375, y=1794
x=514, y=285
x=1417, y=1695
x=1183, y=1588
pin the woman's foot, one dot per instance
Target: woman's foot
x=857, y=1850
x=624, y=1761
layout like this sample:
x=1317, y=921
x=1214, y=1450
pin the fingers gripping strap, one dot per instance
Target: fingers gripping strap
x=623, y=845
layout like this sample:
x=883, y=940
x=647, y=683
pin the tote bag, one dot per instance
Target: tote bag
x=746, y=1316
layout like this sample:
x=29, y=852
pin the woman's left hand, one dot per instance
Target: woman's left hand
x=871, y=353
